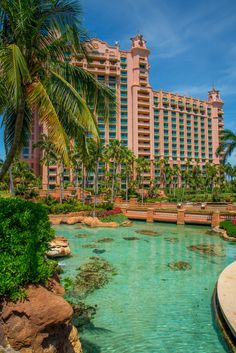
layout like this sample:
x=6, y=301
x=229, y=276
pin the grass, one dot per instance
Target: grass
x=118, y=218
x=229, y=227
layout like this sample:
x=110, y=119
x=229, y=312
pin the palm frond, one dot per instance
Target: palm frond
x=38, y=99
x=15, y=71
x=72, y=102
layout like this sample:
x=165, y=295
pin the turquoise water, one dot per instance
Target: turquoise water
x=147, y=307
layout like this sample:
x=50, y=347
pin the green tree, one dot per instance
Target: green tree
x=38, y=41
x=227, y=145
x=49, y=154
x=142, y=167
x=114, y=154
x=128, y=163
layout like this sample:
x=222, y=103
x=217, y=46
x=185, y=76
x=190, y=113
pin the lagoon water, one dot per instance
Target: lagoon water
x=148, y=307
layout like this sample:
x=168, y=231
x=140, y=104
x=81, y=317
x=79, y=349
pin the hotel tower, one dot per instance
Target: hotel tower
x=154, y=124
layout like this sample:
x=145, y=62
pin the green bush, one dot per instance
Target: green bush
x=229, y=227
x=25, y=232
x=118, y=218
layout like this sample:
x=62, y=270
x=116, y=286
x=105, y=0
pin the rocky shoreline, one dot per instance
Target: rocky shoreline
x=40, y=323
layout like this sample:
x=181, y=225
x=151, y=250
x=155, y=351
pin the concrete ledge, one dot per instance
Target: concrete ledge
x=226, y=296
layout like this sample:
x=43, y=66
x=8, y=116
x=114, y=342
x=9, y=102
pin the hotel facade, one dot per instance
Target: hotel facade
x=154, y=124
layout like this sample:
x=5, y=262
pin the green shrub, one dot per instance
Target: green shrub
x=118, y=218
x=25, y=232
x=229, y=227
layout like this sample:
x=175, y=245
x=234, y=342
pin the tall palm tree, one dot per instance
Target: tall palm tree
x=95, y=156
x=227, y=145
x=49, y=155
x=114, y=153
x=128, y=160
x=38, y=40
x=142, y=167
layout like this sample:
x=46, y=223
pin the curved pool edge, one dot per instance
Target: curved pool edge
x=224, y=305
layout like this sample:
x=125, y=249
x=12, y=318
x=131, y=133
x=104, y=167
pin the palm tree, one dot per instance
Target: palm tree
x=227, y=145
x=38, y=40
x=128, y=161
x=114, y=153
x=95, y=156
x=142, y=166
x=49, y=153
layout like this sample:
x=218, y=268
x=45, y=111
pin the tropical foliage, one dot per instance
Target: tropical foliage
x=38, y=42
x=25, y=233
x=227, y=145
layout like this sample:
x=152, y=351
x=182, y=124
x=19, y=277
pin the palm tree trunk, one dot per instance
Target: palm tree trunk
x=61, y=183
x=83, y=184
x=142, y=188
x=126, y=187
x=113, y=182
x=48, y=178
x=11, y=183
x=95, y=188
x=16, y=141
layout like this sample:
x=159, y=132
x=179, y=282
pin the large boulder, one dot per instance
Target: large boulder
x=39, y=324
x=95, y=222
x=59, y=247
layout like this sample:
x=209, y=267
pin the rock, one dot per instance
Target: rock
x=89, y=246
x=40, y=323
x=172, y=240
x=126, y=223
x=99, y=251
x=95, y=222
x=180, y=265
x=59, y=247
x=105, y=240
x=130, y=238
x=72, y=219
x=147, y=232
x=207, y=249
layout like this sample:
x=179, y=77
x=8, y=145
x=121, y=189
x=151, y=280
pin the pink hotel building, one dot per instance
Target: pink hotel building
x=153, y=124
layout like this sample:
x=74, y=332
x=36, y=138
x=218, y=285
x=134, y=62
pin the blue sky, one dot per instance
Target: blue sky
x=193, y=44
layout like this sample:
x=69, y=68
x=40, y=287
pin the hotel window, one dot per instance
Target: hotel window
x=165, y=119
x=166, y=139
x=123, y=115
x=124, y=136
x=112, y=135
x=123, y=80
x=123, y=73
x=123, y=100
x=123, y=59
x=166, y=125
x=174, y=146
x=166, y=152
x=182, y=147
x=123, y=107
x=173, y=139
x=189, y=154
x=181, y=140
x=123, y=87
x=123, y=94
x=101, y=127
x=181, y=133
x=123, y=66
x=124, y=121
x=101, y=78
x=181, y=153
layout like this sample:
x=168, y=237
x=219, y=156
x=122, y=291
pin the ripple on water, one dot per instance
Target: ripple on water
x=147, y=307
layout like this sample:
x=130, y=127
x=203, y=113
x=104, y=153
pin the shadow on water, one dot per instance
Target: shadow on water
x=89, y=347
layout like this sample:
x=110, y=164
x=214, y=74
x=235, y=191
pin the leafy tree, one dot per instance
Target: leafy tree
x=38, y=42
x=142, y=167
x=227, y=145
